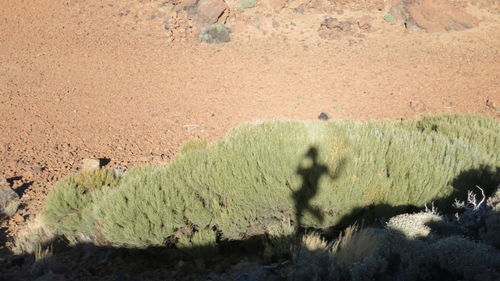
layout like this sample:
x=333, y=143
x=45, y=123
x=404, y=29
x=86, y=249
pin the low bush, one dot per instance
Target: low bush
x=69, y=203
x=382, y=254
x=418, y=246
x=312, y=174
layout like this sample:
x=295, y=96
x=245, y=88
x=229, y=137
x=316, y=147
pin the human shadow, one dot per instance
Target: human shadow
x=311, y=176
x=310, y=181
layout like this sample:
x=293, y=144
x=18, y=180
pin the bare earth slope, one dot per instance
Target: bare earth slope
x=82, y=79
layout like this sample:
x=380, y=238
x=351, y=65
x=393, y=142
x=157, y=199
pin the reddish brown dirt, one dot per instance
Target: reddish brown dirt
x=82, y=79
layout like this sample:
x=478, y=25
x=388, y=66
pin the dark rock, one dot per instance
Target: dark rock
x=323, y=116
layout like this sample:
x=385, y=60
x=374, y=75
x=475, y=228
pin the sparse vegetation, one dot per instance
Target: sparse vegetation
x=389, y=18
x=247, y=4
x=11, y=208
x=215, y=34
x=33, y=236
x=44, y=260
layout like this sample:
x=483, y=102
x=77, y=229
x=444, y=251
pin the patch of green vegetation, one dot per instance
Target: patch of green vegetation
x=215, y=34
x=250, y=182
x=66, y=207
x=247, y=4
x=389, y=18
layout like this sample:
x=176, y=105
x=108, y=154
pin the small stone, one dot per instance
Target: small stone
x=120, y=171
x=331, y=23
x=491, y=104
x=323, y=116
x=276, y=5
x=364, y=22
x=191, y=127
x=209, y=11
x=256, y=122
x=90, y=164
x=37, y=170
x=298, y=10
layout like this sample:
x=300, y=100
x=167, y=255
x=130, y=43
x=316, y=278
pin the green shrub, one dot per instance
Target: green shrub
x=258, y=177
x=478, y=130
x=66, y=207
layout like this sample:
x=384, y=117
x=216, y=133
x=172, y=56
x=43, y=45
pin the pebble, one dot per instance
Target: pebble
x=90, y=164
x=323, y=116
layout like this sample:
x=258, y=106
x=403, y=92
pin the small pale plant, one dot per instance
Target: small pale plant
x=33, y=236
x=247, y=4
x=11, y=208
x=215, y=34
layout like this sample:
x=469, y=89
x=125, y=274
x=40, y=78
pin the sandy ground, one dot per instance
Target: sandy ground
x=83, y=79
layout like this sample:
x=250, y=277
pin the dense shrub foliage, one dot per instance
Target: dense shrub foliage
x=68, y=208
x=261, y=176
